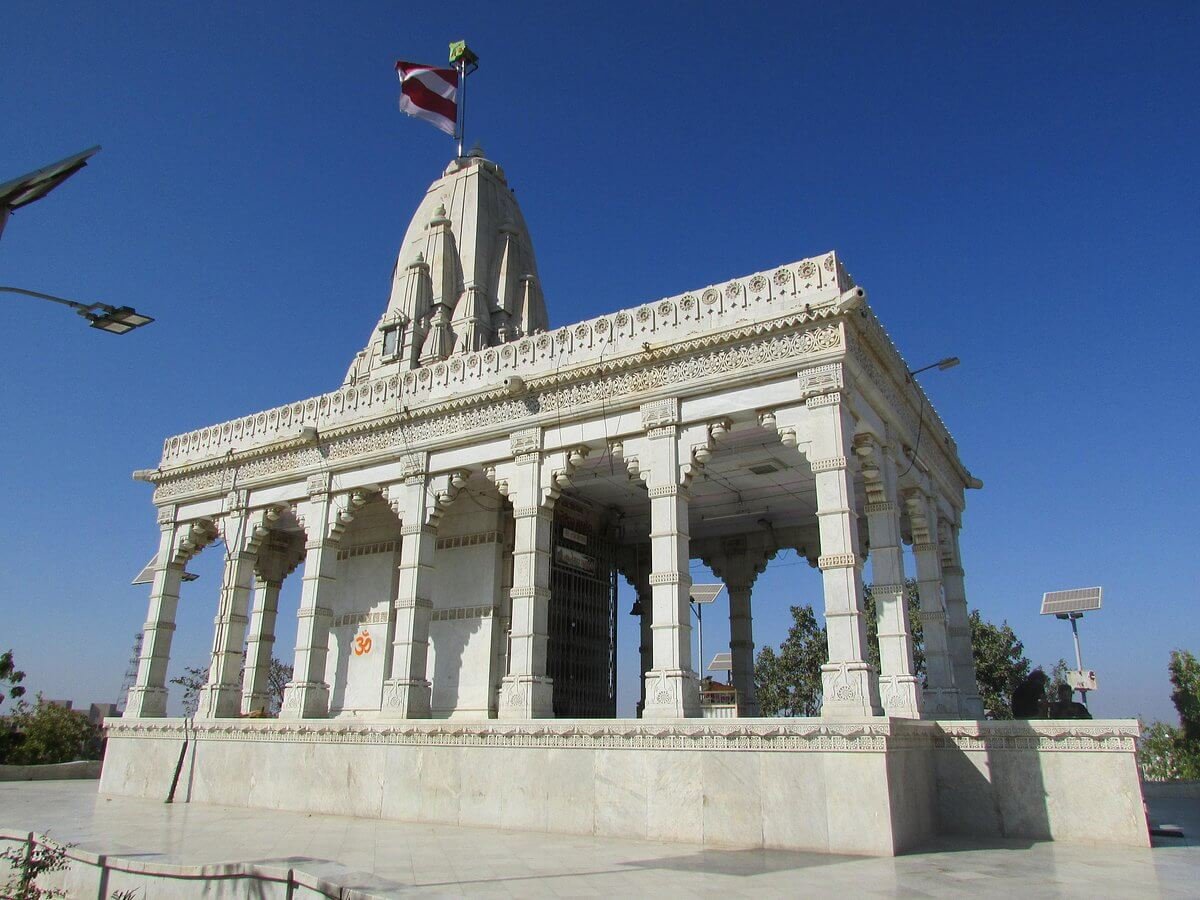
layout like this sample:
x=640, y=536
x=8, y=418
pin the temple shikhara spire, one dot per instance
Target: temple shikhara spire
x=465, y=278
x=459, y=515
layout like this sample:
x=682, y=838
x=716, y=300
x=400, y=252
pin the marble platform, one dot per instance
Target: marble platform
x=874, y=787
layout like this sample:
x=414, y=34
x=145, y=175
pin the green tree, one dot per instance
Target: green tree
x=1000, y=664
x=192, y=679
x=48, y=733
x=1185, y=679
x=788, y=683
x=10, y=678
x=913, y=599
x=1164, y=751
x=195, y=677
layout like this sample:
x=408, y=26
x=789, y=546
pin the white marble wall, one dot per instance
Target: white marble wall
x=875, y=787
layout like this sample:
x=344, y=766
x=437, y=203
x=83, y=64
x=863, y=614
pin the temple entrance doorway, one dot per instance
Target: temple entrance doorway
x=582, y=646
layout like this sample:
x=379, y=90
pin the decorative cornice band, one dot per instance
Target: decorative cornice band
x=665, y=490
x=462, y=612
x=412, y=603
x=877, y=589
x=704, y=356
x=670, y=578
x=815, y=735
x=524, y=593
x=824, y=400
x=454, y=542
x=837, y=561
x=833, y=463
x=883, y=507
x=925, y=547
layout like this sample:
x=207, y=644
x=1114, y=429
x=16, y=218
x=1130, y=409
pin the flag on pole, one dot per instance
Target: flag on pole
x=429, y=94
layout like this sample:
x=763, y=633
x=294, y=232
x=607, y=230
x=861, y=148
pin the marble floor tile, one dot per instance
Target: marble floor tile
x=386, y=858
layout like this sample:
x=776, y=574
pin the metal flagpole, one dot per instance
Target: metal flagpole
x=466, y=62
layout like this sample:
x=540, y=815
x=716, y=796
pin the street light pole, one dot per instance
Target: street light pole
x=113, y=319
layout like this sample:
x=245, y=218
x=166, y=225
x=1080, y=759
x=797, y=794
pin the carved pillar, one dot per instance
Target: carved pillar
x=958, y=624
x=941, y=695
x=527, y=691
x=260, y=646
x=307, y=694
x=176, y=545
x=899, y=689
x=672, y=689
x=407, y=690
x=849, y=684
x=738, y=562
x=220, y=697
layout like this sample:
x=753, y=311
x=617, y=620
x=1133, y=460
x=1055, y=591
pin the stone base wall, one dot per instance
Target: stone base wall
x=875, y=787
x=85, y=768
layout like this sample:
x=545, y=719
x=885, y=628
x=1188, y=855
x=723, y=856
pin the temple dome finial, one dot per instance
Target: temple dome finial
x=465, y=276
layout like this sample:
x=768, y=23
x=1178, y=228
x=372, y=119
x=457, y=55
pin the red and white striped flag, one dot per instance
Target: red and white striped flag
x=430, y=94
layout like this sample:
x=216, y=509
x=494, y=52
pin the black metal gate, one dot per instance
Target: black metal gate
x=582, y=647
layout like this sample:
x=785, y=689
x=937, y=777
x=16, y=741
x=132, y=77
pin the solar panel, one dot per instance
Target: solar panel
x=706, y=593
x=146, y=576
x=1075, y=600
x=722, y=662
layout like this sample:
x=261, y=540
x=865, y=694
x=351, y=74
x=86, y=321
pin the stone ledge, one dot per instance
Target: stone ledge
x=794, y=735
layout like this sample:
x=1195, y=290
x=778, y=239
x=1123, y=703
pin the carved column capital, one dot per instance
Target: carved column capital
x=821, y=385
x=658, y=414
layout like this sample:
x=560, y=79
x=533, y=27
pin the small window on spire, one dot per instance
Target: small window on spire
x=391, y=341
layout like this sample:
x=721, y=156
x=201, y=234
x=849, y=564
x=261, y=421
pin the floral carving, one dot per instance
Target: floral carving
x=758, y=284
x=733, y=289
x=783, y=277
x=710, y=297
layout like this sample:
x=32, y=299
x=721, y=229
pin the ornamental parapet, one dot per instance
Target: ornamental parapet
x=806, y=290
x=796, y=735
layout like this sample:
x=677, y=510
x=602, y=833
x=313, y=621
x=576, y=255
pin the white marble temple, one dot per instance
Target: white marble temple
x=477, y=473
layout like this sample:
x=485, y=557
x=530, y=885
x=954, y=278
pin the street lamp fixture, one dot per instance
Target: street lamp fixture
x=113, y=319
x=941, y=365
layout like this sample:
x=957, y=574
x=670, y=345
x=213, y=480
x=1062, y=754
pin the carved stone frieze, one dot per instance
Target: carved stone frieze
x=820, y=380
x=660, y=413
x=701, y=358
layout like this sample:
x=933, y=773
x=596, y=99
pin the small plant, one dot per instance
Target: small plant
x=127, y=894
x=30, y=860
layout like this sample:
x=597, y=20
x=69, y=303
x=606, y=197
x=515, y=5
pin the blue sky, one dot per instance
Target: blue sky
x=1013, y=184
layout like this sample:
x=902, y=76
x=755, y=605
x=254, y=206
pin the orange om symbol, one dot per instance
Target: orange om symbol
x=362, y=643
